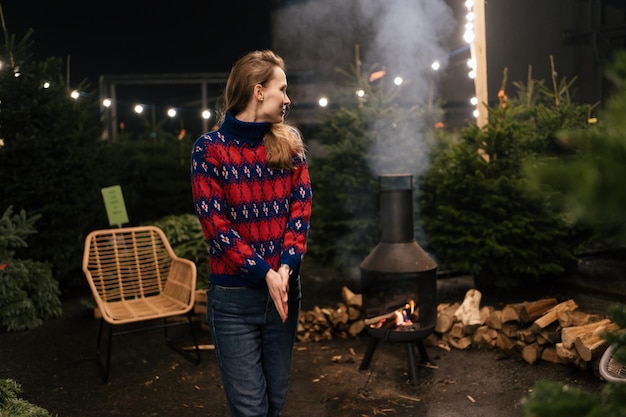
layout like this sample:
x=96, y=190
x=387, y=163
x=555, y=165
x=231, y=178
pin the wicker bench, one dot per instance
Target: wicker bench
x=135, y=277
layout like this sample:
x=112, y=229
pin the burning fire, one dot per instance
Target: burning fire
x=402, y=319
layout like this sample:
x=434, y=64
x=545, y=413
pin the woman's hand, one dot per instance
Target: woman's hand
x=278, y=286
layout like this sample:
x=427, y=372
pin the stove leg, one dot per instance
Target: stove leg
x=365, y=363
x=410, y=354
x=423, y=353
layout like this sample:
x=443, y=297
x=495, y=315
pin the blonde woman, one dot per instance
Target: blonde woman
x=252, y=194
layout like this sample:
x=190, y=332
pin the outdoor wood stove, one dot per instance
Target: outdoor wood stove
x=398, y=278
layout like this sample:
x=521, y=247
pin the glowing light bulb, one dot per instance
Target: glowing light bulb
x=171, y=112
x=206, y=114
x=323, y=102
x=107, y=102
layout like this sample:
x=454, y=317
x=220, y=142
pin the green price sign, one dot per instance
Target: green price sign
x=114, y=203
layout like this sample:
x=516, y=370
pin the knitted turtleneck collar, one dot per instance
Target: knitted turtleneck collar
x=244, y=130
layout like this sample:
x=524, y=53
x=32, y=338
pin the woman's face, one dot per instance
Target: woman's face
x=274, y=98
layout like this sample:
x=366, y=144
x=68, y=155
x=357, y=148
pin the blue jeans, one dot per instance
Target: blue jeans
x=253, y=346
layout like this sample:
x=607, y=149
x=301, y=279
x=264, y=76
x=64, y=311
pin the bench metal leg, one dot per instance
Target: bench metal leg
x=104, y=359
x=104, y=365
x=178, y=349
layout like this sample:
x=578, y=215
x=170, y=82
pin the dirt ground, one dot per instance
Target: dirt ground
x=55, y=364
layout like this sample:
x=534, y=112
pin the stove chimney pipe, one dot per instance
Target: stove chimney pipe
x=397, y=251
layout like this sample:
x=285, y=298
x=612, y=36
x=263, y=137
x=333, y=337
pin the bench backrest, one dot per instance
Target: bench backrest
x=135, y=262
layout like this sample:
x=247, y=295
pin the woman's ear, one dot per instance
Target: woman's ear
x=258, y=92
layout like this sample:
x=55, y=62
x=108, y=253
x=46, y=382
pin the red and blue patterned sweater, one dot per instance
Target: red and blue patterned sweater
x=254, y=218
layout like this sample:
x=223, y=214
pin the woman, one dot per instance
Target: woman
x=252, y=195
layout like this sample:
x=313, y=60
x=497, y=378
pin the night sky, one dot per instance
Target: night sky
x=122, y=37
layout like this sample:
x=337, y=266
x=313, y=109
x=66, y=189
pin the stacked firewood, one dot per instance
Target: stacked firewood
x=343, y=321
x=543, y=329
x=532, y=330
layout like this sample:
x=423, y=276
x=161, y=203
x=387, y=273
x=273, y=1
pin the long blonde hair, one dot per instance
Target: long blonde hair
x=283, y=141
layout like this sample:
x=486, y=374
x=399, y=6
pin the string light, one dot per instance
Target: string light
x=469, y=36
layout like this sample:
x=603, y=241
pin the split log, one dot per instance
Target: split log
x=356, y=327
x=569, y=334
x=434, y=341
x=442, y=306
x=549, y=355
x=485, y=336
x=354, y=313
x=519, y=345
x=527, y=311
x=461, y=343
x=495, y=319
x=316, y=316
x=532, y=352
x=456, y=332
x=510, y=329
x=382, y=317
x=468, y=312
x=551, y=315
x=338, y=315
x=590, y=345
x=526, y=335
x=504, y=343
x=569, y=318
x=549, y=336
x=485, y=312
x=534, y=310
x=351, y=299
x=510, y=313
x=470, y=329
x=566, y=354
x=445, y=318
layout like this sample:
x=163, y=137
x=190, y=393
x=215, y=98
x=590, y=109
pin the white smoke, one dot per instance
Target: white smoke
x=403, y=37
